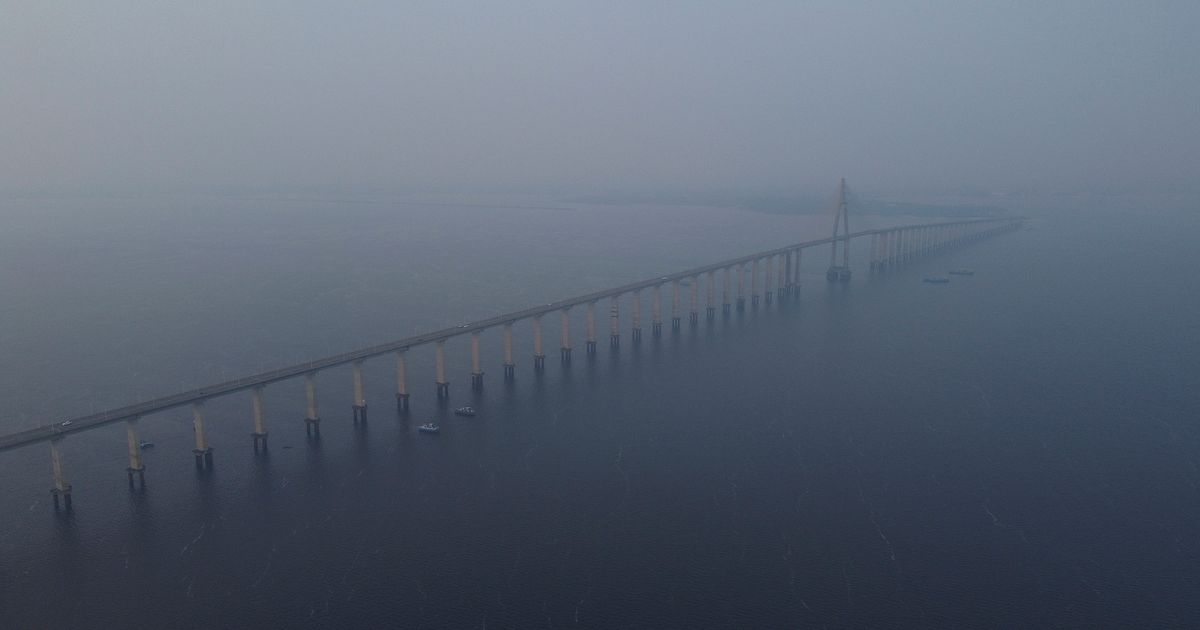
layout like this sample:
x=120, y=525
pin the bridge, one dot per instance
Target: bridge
x=771, y=272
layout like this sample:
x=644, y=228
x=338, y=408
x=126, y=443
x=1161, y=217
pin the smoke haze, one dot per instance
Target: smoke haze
x=586, y=98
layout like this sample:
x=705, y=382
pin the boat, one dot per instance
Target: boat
x=962, y=272
x=429, y=427
x=936, y=279
x=465, y=411
x=145, y=444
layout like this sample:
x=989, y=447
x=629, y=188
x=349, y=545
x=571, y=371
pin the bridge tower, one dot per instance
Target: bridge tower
x=841, y=218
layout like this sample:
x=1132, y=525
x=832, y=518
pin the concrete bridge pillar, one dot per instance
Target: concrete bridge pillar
x=741, y=287
x=591, y=329
x=401, y=382
x=694, y=312
x=710, y=303
x=565, y=318
x=726, y=289
x=360, y=399
x=312, y=422
x=259, y=418
x=539, y=357
x=61, y=489
x=203, y=451
x=656, y=310
x=476, y=368
x=768, y=294
x=614, y=321
x=510, y=367
x=754, y=283
x=636, y=333
x=675, y=305
x=135, y=453
x=796, y=274
x=439, y=361
x=785, y=273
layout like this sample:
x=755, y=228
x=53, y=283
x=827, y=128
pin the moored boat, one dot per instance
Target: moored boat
x=429, y=427
x=962, y=272
x=465, y=411
x=936, y=279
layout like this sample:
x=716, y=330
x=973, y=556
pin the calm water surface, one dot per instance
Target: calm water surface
x=1016, y=448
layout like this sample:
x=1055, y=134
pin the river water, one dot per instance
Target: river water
x=1015, y=448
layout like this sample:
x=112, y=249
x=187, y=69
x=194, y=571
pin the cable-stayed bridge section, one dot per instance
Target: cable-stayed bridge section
x=773, y=274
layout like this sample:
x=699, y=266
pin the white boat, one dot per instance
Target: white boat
x=429, y=427
x=465, y=411
x=145, y=444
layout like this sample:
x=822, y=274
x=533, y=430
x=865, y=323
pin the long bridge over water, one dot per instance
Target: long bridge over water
x=772, y=273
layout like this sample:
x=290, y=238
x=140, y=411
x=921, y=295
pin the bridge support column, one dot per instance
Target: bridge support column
x=591, y=329
x=61, y=490
x=614, y=321
x=510, y=367
x=785, y=274
x=401, y=383
x=312, y=422
x=539, y=357
x=203, y=452
x=360, y=400
x=754, y=283
x=259, y=418
x=443, y=386
x=675, y=305
x=656, y=311
x=636, y=332
x=476, y=368
x=768, y=294
x=694, y=302
x=710, y=299
x=726, y=289
x=796, y=276
x=565, y=317
x=135, y=454
x=741, y=287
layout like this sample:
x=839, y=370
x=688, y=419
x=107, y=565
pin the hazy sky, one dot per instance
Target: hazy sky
x=598, y=96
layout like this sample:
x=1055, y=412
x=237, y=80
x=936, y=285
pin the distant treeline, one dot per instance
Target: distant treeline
x=802, y=205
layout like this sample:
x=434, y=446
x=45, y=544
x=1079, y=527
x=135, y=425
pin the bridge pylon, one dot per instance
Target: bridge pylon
x=841, y=218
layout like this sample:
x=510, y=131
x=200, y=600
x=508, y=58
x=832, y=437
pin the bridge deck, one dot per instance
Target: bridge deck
x=84, y=423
